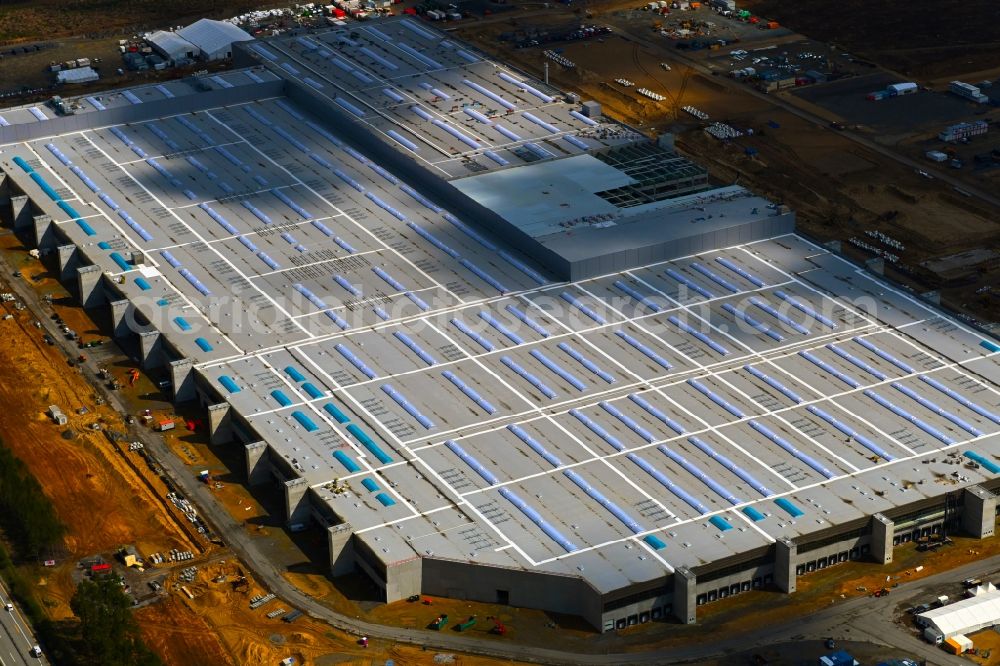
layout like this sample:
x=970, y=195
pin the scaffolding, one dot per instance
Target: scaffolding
x=659, y=174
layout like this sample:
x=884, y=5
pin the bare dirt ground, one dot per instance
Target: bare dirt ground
x=920, y=38
x=250, y=637
x=53, y=19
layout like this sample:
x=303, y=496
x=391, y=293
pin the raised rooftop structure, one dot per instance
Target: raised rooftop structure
x=582, y=195
x=463, y=423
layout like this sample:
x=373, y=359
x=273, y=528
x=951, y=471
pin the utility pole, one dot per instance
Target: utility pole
x=546, y=65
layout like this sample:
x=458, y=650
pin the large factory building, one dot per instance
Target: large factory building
x=498, y=346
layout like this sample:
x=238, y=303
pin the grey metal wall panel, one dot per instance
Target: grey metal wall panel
x=620, y=260
x=528, y=589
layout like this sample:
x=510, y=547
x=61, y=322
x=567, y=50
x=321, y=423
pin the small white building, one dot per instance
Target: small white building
x=173, y=47
x=56, y=415
x=213, y=39
x=77, y=75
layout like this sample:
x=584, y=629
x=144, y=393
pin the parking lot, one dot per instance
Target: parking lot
x=894, y=115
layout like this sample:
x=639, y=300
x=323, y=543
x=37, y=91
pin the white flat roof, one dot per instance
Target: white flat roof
x=537, y=197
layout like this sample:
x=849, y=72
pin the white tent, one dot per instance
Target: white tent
x=172, y=46
x=214, y=39
x=966, y=616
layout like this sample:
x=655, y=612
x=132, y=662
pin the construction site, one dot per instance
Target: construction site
x=849, y=168
x=459, y=319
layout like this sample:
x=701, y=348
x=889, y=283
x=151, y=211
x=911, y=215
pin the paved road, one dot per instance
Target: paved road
x=16, y=637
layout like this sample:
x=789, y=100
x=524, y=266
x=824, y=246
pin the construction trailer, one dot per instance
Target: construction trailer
x=839, y=658
x=57, y=415
x=968, y=91
x=960, y=131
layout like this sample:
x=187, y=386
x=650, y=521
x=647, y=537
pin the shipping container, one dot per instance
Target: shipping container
x=968, y=91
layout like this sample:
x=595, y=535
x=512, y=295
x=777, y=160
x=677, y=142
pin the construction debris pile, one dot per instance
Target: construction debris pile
x=723, y=132
x=697, y=113
x=261, y=599
x=885, y=240
x=645, y=92
x=877, y=251
x=565, y=62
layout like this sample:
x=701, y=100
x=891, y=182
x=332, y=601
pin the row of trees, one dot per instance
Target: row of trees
x=109, y=634
x=26, y=514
